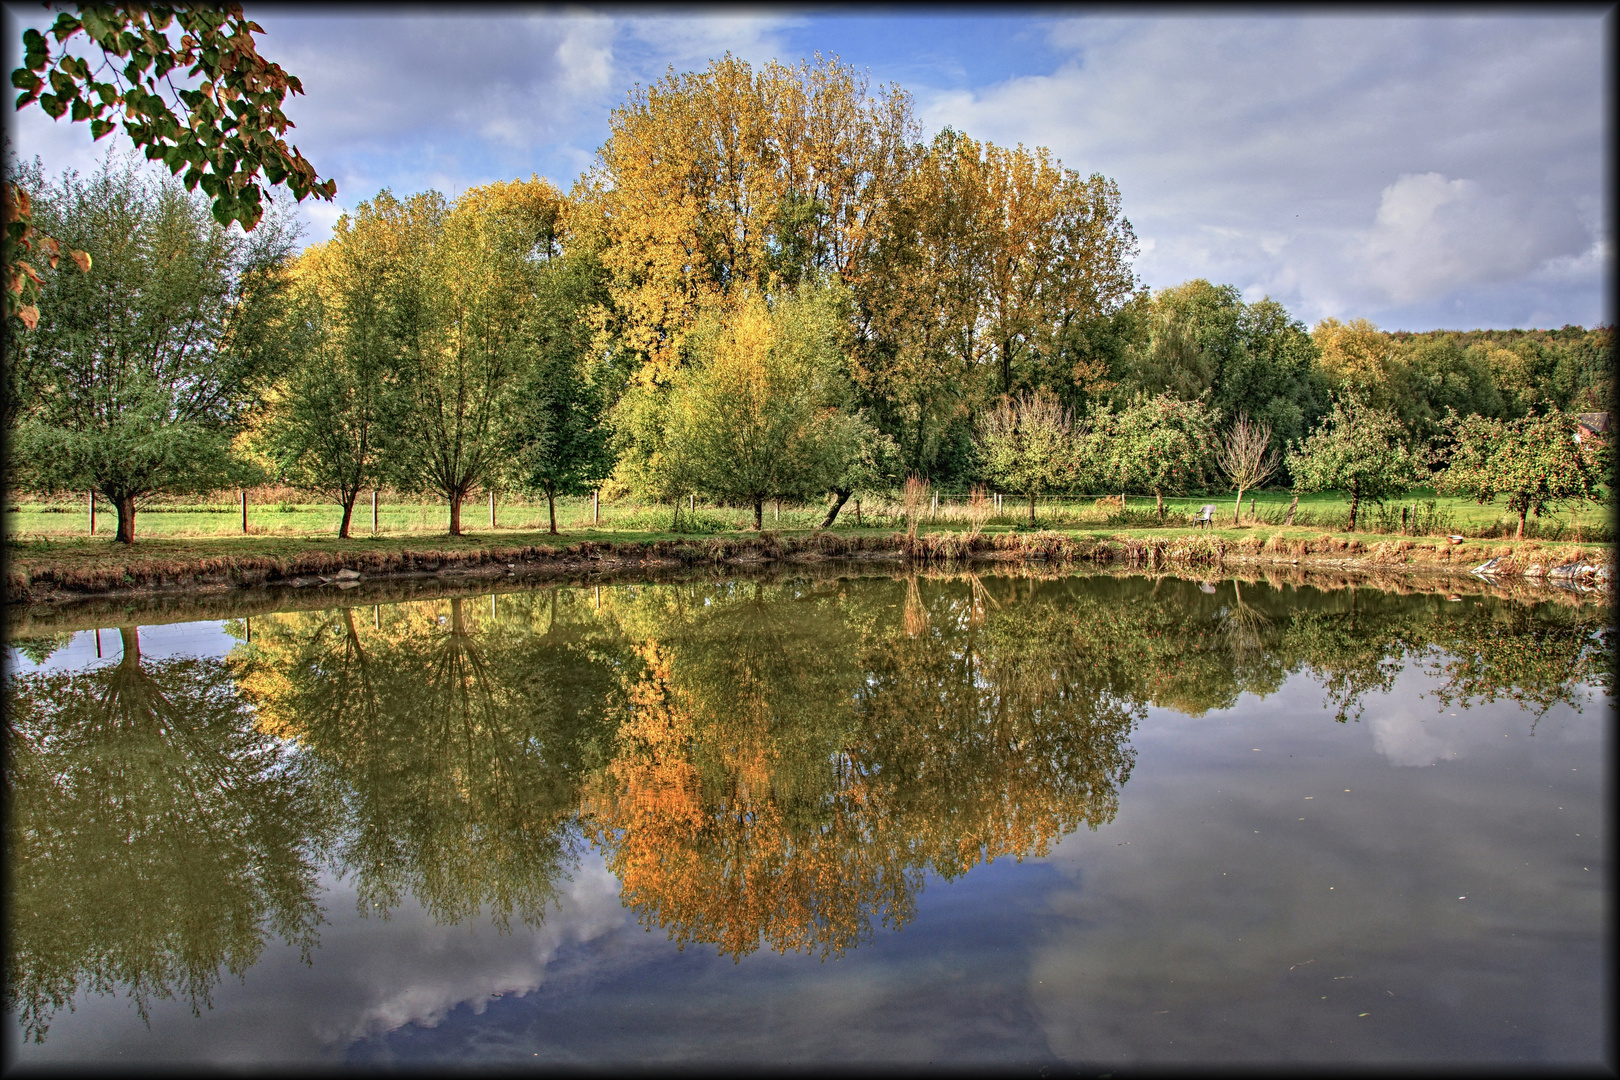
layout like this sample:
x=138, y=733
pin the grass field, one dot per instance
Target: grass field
x=276, y=515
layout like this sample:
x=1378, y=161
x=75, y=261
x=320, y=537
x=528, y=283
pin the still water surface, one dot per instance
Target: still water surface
x=959, y=819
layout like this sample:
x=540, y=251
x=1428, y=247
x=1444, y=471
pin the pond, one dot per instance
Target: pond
x=957, y=818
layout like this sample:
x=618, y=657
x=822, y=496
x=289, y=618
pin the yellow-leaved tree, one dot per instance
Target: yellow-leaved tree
x=734, y=178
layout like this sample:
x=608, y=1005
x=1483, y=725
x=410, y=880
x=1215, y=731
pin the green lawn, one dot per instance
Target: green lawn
x=28, y=520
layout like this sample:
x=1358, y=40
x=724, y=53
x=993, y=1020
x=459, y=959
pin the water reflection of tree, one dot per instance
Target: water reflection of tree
x=794, y=761
x=772, y=765
x=1536, y=658
x=458, y=740
x=154, y=835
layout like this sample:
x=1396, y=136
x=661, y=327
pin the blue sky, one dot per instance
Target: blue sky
x=1441, y=170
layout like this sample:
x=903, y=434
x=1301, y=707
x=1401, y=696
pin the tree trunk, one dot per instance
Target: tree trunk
x=857, y=513
x=455, y=514
x=1355, y=500
x=1522, y=513
x=759, y=512
x=1032, y=511
x=841, y=496
x=348, y=512
x=126, y=519
x=675, y=525
x=551, y=506
x=1289, y=520
x=1237, y=514
x=1157, y=494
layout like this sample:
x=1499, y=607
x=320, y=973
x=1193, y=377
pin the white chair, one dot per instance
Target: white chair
x=1206, y=516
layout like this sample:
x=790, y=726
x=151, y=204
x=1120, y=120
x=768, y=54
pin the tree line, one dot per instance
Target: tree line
x=767, y=286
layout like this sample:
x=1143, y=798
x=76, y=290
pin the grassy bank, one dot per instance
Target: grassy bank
x=44, y=568
x=283, y=513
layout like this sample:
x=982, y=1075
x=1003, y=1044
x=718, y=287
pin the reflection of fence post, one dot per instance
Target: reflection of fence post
x=93, y=514
x=373, y=509
x=241, y=493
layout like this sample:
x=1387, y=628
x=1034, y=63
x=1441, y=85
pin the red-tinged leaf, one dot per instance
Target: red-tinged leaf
x=29, y=316
x=81, y=258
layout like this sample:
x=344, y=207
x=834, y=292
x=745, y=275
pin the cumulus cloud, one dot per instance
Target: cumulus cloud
x=1346, y=165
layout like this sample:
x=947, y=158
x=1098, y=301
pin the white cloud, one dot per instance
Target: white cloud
x=1315, y=157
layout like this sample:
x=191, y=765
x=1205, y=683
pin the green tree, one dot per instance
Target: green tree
x=227, y=132
x=329, y=422
x=874, y=466
x=652, y=462
x=1359, y=450
x=140, y=374
x=1026, y=445
x=464, y=305
x=1536, y=463
x=1167, y=443
x=562, y=442
x=758, y=411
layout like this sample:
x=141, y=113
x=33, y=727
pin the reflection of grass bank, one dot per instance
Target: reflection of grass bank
x=43, y=567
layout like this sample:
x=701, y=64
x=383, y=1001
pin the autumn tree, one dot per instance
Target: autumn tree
x=920, y=306
x=224, y=129
x=1359, y=450
x=1536, y=463
x=139, y=375
x=732, y=178
x=992, y=264
x=1356, y=357
x=1167, y=444
x=1026, y=446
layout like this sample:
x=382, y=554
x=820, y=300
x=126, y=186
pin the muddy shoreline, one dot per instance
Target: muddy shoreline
x=213, y=592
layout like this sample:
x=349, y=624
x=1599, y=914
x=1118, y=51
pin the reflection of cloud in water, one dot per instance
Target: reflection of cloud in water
x=1406, y=737
x=370, y=975
x=386, y=974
